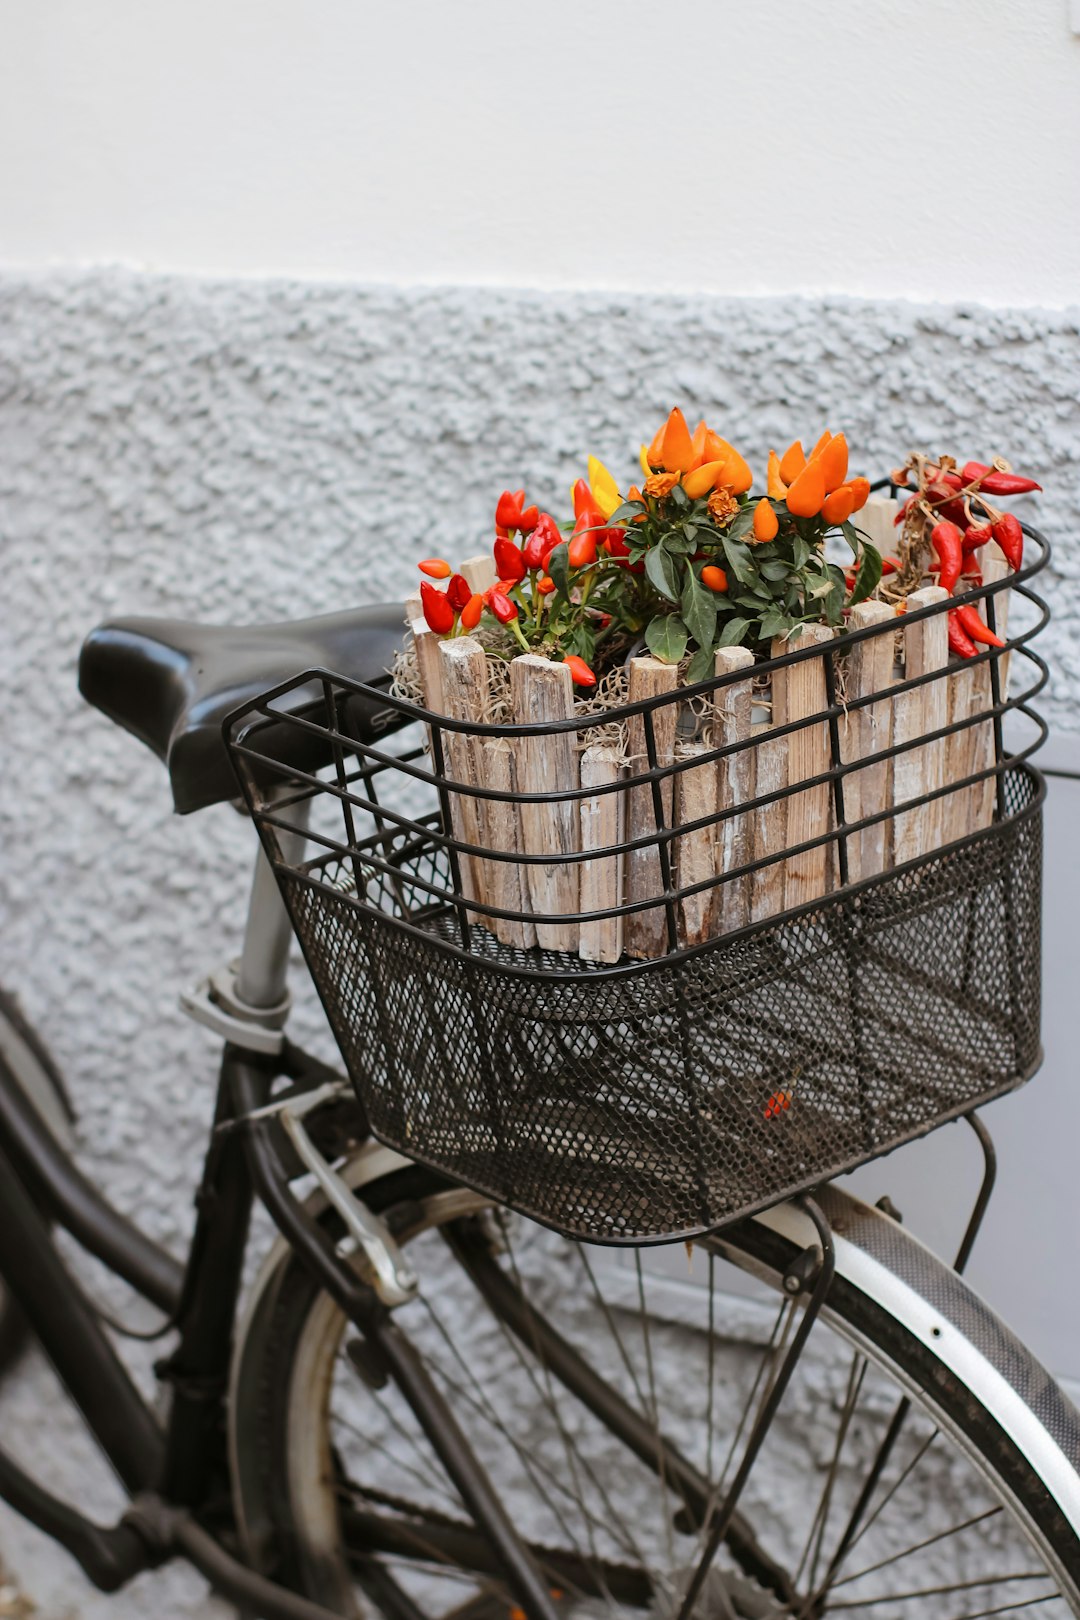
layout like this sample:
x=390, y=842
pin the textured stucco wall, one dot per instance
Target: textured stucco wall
x=252, y=451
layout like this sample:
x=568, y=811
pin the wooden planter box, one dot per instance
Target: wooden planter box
x=749, y=739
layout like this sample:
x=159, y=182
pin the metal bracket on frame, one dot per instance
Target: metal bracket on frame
x=216, y=1003
x=393, y=1278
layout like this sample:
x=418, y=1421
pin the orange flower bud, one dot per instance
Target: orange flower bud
x=766, y=522
x=807, y=493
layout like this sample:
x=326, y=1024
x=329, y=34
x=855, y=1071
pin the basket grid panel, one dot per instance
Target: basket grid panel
x=636, y=1106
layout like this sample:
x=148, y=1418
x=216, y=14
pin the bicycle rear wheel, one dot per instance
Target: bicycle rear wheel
x=922, y=1463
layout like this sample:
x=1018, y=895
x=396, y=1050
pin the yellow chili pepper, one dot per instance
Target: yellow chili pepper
x=605, y=491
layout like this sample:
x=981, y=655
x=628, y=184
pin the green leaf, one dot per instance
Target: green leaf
x=733, y=632
x=698, y=609
x=559, y=569
x=679, y=497
x=800, y=551
x=738, y=560
x=701, y=665
x=581, y=639
x=775, y=570
x=774, y=624
x=869, y=576
x=660, y=572
x=626, y=512
x=741, y=523
x=666, y=638
x=677, y=544
x=851, y=535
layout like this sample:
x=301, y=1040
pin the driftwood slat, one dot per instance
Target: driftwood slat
x=646, y=932
x=505, y=882
x=463, y=678
x=734, y=786
x=769, y=824
x=876, y=522
x=799, y=690
x=695, y=852
x=865, y=732
x=542, y=693
x=480, y=572
x=602, y=821
x=920, y=769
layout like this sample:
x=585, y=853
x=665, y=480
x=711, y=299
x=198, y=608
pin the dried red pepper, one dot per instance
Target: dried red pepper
x=1010, y=537
x=959, y=641
x=992, y=481
x=948, y=542
x=969, y=617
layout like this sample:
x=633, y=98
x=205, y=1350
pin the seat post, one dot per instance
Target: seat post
x=264, y=961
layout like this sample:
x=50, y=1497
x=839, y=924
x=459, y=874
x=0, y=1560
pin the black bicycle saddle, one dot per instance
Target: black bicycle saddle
x=172, y=683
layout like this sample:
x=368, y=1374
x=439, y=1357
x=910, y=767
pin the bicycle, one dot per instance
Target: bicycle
x=429, y=1406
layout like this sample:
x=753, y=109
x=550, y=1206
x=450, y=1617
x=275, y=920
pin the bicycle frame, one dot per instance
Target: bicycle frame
x=177, y=1473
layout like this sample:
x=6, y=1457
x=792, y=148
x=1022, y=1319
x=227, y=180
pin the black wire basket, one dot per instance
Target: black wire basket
x=629, y=1101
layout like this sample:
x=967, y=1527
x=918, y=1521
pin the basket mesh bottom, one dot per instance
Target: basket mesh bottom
x=636, y=1105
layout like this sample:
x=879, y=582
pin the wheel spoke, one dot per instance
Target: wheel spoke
x=952, y=1586
x=930, y=1541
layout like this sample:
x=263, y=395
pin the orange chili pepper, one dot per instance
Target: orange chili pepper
x=714, y=578
x=545, y=585
x=807, y=494
x=580, y=673
x=819, y=447
x=838, y=507
x=435, y=568
x=766, y=522
x=774, y=483
x=834, y=460
x=703, y=478
x=737, y=475
x=678, y=445
x=470, y=613
x=860, y=488
x=792, y=461
x=581, y=552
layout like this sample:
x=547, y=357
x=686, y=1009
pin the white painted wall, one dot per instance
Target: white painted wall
x=738, y=146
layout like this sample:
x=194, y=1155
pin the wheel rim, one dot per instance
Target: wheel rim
x=608, y=1526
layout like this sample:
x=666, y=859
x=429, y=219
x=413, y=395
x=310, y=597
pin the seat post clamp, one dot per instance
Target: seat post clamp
x=216, y=1003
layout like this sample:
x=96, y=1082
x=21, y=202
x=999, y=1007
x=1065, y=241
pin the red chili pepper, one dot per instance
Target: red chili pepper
x=502, y=607
x=458, y=592
x=969, y=617
x=994, y=482
x=437, y=610
x=580, y=673
x=959, y=641
x=948, y=542
x=978, y=536
x=614, y=542
x=511, y=512
x=582, y=549
x=509, y=561
x=471, y=612
x=435, y=568
x=903, y=512
x=1010, y=537
x=541, y=542
x=777, y=1104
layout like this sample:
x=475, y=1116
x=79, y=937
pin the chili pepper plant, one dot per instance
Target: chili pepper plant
x=689, y=559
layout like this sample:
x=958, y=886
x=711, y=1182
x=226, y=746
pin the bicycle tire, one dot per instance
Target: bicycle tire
x=26, y=1062
x=878, y=1266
